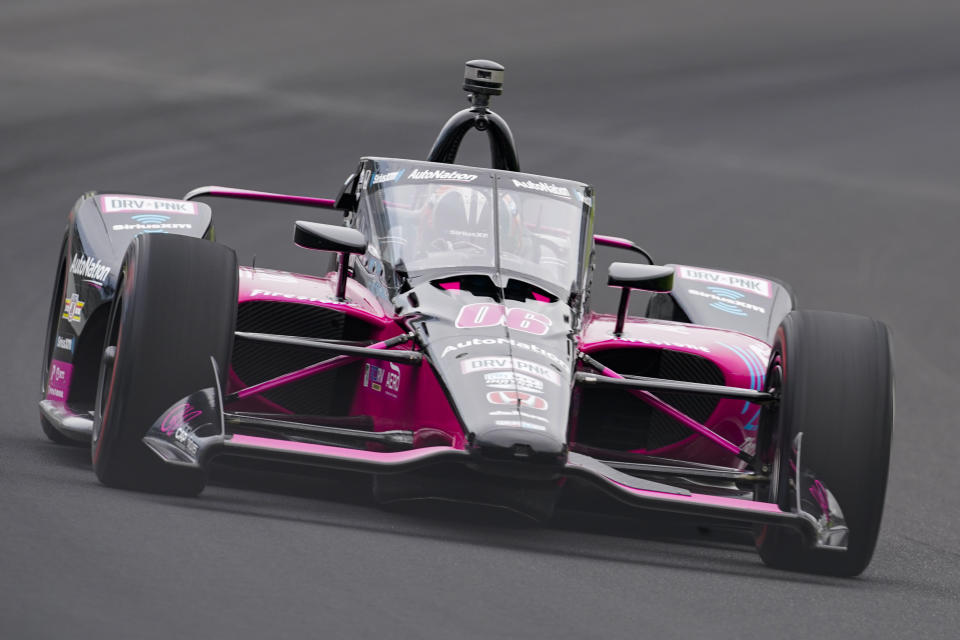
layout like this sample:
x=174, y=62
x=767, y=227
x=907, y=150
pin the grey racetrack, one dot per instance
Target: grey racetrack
x=818, y=142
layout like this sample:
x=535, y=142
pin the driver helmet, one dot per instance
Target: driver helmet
x=455, y=214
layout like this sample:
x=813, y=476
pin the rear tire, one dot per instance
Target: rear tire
x=835, y=376
x=175, y=307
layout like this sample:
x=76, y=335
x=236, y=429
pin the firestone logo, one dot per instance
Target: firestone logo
x=263, y=293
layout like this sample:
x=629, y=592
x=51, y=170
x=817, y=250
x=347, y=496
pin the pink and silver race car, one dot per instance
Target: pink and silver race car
x=453, y=354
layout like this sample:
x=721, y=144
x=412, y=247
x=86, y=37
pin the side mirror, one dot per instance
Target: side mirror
x=621, y=243
x=628, y=276
x=328, y=237
x=647, y=277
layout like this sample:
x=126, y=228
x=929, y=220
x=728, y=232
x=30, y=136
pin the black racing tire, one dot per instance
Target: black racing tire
x=175, y=307
x=53, y=327
x=834, y=374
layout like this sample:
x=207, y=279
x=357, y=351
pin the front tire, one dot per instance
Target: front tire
x=53, y=328
x=175, y=307
x=835, y=377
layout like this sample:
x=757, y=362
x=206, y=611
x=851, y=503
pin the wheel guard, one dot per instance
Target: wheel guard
x=188, y=429
x=814, y=502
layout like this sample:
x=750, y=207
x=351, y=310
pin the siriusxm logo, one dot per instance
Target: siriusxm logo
x=728, y=301
x=150, y=218
x=151, y=226
x=545, y=187
x=379, y=178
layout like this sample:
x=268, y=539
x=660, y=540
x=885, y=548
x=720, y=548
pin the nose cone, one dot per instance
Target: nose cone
x=507, y=369
x=518, y=440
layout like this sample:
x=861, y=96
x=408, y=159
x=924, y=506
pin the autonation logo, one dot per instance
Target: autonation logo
x=545, y=187
x=441, y=174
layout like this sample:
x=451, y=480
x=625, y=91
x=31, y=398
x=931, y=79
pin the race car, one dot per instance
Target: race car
x=452, y=353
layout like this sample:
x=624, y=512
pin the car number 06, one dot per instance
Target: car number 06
x=486, y=314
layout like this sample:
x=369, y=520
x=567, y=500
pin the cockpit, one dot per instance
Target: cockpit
x=430, y=217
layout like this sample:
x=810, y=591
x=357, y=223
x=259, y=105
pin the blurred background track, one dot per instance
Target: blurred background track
x=817, y=142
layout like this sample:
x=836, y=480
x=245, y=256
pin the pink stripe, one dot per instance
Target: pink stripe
x=451, y=285
x=612, y=241
x=336, y=361
x=336, y=452
x=701, y=498
x=248, y=194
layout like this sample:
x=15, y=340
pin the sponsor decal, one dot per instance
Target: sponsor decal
x=373, y=377
x=65, y=343
x=467, y=234
x=378, y=378
x=362, y=182
x=544, y=187
x=758, y=286
x=249, y=273
x=178, y=416
x=89, y=268
x=474, y=365
x=263, y=293
x=489, y=314
x=151, y=227
x=518, y=398
x=72, y=307
x=520, y=423
x=58, y=384
x=441, y=174
x=150, y=218
x=379, y=178
x=176, y=423
x=184, y=435
x=727, y=300
x=653, y=342
x=393, y=379
x=512, y=380
x=518, y=414
x=476, y=342
x=128, y=204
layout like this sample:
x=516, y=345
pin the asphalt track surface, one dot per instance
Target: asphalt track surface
x=816, y=142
